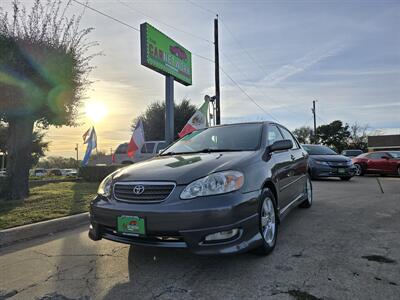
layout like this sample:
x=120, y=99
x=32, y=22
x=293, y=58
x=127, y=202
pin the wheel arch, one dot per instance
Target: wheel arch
x=271, y=186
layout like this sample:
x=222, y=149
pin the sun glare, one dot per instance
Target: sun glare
x=95, y=111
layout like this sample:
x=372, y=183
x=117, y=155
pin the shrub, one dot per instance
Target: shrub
x=3, y=187
x=96, y=173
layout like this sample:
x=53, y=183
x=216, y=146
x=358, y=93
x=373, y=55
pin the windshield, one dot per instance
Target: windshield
x=319, y=150
x=395, y=154
x=240, y=137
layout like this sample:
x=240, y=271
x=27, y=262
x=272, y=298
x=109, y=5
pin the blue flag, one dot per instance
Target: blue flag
x=90, y=139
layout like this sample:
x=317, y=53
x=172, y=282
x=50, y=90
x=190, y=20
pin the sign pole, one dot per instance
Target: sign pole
x=169, y=109
x=217, y=91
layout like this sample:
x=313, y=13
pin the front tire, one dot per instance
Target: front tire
x=307, y=203
x=268, y=223
x=359, y=170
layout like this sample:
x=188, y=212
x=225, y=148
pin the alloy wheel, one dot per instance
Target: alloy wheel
x=268, y=221
x=358, y=169
x=309, y=191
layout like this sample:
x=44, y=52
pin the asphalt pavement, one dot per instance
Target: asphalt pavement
x=346, y=246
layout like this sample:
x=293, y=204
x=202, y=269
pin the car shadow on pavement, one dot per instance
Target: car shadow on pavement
x=155, y=272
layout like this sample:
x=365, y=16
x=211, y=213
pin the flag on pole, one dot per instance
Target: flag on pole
x=197, y=121
x=89, y=138
x=137, y=139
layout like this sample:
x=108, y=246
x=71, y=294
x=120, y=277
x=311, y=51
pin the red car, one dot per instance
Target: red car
x=380, y=162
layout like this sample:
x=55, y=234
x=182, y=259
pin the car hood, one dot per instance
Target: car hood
x=184, y=168
x=333, y=158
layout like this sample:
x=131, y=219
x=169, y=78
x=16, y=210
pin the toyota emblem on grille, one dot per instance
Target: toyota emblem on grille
x=138, y=189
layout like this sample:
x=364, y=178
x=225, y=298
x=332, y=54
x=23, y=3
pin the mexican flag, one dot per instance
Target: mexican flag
x=197, y=121
x=137, y=139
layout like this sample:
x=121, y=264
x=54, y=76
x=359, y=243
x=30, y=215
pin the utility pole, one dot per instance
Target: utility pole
x=217, y=91
x=315, y=122
x=77, y=154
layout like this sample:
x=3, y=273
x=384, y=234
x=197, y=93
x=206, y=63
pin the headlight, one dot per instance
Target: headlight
x=214, y=184
x=349, y=163
x=105, y=186
x=318, y=162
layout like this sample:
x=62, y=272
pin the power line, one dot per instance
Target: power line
x=164, y=23
x=247, y=95
x=130, y=26
x=195, y=54
x=106, y=15
x=202, y=7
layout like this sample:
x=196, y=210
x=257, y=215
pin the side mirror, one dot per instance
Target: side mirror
x=280, y=145
x=385, y=157
x=159, y=151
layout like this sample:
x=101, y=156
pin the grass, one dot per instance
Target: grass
x=49, y=201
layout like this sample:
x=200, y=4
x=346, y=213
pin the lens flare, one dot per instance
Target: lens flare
x=95, y=111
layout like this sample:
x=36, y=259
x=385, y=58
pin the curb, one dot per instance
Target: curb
x=30, y=231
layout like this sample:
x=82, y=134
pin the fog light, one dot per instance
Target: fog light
x=222, y=235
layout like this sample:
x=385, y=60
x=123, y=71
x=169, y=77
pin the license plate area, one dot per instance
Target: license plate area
x=341, y=170
x=131, y=225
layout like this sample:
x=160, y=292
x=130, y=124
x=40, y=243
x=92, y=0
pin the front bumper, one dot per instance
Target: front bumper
x=333, y=171
x=177, y=223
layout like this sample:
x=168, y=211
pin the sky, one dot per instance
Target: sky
x=280, y=54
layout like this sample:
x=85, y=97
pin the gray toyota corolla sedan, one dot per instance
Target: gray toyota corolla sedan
x=218, y=190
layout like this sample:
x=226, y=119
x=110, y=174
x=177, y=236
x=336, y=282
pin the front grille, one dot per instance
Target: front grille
x=337, y=164
x=148, y=191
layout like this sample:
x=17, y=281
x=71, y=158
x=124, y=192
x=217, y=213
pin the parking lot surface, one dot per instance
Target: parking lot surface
x=346, y=246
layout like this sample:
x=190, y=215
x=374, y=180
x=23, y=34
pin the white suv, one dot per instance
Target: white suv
x=148, y=150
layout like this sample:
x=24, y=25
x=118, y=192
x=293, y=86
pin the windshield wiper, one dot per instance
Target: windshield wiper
x=210, y=150
x=205, y=150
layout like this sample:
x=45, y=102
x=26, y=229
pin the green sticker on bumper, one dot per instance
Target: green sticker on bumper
x=131, y=224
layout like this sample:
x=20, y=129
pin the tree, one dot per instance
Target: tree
x=38, y=145
x=44, y=69
x=154, y=119
x=358, y=137
x=334, y=135
x=303, y=134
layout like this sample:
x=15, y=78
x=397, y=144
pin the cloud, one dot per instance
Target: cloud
x=301, y=64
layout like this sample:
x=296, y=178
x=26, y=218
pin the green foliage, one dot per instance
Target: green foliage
x=57, y=162
x=334, y=135
x=44, y=63
x=44, y=68
x=49, y=201
x=38, y=145
x=358, y=137
x=303, y=134
x=96, y=173
x=154, y=118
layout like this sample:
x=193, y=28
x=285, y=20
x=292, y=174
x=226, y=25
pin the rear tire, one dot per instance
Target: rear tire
x=268, y=223
x=345, y=178
x=398, y=170
x=359, y=170
x=307, y=203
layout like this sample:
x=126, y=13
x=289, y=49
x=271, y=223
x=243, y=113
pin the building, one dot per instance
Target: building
x=384, y=139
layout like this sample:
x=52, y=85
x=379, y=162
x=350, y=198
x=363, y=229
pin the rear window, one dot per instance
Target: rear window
x=148, y=148
x=395, y=154
x=161, y=146
x=122, y=149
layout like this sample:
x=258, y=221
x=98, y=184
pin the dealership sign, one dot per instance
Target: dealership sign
x=162, y=54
